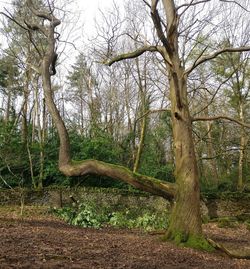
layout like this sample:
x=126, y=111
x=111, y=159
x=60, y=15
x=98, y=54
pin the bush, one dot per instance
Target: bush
x=89, y=215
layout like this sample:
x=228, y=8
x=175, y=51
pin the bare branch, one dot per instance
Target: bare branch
x=133, y=54
x=187, y=5
x=15, y=21
x=204, y=59
x=221, y=117
x=146, y=3
x=28, y=28
x=213, y=96
x=235, y=2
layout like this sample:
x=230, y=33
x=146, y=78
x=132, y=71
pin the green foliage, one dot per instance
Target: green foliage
x=102, y=147
x=9, y=74
x=147, y=220
x=90, y=215
x=65, y=213
x=13, y=161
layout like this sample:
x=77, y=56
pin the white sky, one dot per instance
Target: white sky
x=88, y=9
x=79, y=32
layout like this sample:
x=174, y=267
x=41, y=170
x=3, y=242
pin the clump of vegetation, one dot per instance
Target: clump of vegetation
x=90, y=215
x=227, y=223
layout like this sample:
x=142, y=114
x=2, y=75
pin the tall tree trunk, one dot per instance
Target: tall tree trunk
x=40, y=136
x=25, y=109
x=210, y=153
x=144, y=101
x=243, y=144
x=8, y=105
x=185, y=219
x=141, y=144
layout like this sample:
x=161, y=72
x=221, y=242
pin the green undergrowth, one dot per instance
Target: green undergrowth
x=91, y=215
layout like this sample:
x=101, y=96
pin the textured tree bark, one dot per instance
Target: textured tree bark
x=185, y=219
x=141, y=145
x=243, y=144
x=145, y=104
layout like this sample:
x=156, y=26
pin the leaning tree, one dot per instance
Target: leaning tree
x=185, y=222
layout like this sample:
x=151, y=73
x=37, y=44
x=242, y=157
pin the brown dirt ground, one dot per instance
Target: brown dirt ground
x=39, y=240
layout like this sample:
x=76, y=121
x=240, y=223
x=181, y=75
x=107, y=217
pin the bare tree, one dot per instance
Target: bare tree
x=185, y=218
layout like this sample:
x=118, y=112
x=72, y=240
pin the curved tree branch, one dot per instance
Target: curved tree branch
x=43, y=15
x=133, y=54
x=236, y=3
x=154, y=186
x=204, y=59
x=219, y=118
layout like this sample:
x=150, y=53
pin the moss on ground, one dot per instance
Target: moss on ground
x=191, y=241
x=198, y=242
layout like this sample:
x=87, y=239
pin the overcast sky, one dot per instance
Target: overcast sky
x=88, y=9
x=84, y=14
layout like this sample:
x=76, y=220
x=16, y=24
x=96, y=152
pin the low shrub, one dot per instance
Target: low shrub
x=90, y=215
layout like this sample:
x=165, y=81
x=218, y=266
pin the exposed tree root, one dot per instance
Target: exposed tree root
x=230, y=253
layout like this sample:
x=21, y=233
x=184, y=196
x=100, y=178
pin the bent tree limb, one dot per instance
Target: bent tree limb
x=134, y=54
x=145, y=183
x=213, y=55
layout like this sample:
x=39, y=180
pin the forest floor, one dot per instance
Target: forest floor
x=39, y=240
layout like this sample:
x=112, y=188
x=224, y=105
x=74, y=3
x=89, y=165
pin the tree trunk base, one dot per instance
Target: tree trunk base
x=184, y=239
